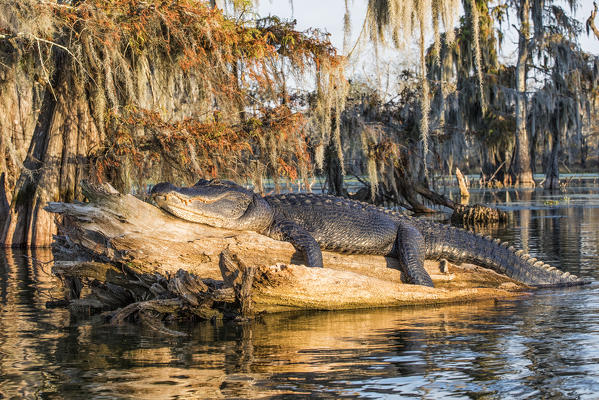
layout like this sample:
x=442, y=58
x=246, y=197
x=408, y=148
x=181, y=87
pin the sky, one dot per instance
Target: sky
x=327, y=15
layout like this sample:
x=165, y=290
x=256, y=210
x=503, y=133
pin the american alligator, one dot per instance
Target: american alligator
x=313, y=222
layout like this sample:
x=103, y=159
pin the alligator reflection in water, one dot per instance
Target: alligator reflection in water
x=545, y=345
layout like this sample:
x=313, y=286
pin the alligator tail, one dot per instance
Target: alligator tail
x=458, y=245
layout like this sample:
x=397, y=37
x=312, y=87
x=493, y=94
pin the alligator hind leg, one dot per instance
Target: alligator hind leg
x=300, y=239
x=410, y=249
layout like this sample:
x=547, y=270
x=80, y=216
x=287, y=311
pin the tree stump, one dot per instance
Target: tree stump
x=463, y=185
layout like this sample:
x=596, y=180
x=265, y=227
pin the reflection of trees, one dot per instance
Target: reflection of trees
x=558, y=233
x=563, y=234
x=525, y=196
x=27, y=330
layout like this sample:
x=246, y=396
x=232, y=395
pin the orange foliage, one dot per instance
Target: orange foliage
x=240, y=59
x=202, y=148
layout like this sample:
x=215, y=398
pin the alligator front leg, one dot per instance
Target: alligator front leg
x=410, y=250
x=300, y=239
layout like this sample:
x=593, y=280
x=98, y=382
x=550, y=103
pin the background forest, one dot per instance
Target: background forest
x=134, y=92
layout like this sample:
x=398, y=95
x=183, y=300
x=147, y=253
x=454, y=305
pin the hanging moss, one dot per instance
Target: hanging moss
x=135, y=91
x=400, y=20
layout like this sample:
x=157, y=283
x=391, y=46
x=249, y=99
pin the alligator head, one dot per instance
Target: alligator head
x=223, y=204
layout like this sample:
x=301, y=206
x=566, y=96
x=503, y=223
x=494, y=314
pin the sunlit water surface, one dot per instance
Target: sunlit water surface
x=545, y=345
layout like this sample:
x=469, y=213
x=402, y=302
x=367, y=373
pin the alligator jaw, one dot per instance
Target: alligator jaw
x=187, y=200
x=177, y=206
x=215, y=205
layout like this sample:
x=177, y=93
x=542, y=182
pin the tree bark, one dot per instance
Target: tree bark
x=334, y=171
x=125, y=240
x=521, y=172
x=4, y=206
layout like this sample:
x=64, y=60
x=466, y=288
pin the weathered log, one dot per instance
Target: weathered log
x=240, y=277
x=128, y=254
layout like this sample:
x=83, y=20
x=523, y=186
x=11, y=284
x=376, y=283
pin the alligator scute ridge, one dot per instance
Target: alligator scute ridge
x=311, y=222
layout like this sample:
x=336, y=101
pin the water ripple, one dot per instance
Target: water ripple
x=541, y=346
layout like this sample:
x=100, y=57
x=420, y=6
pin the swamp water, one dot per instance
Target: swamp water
x=545, y=345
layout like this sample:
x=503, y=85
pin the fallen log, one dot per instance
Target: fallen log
x=126, y=258
x=464, y=214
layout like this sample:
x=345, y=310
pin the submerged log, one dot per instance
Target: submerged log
x=129, y=259
x=464, y=214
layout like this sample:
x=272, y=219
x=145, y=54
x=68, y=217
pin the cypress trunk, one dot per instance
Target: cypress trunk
x=521, y=171
x=64, y=133
x=552, y=175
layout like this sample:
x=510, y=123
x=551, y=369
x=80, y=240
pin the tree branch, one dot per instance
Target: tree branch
x=591, y=22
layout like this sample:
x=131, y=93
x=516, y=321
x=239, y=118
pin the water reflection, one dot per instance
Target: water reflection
x=559, y=228
x=542, y=346
x=27, y=331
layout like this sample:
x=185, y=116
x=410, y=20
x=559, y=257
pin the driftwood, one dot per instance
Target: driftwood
x=126, y=258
